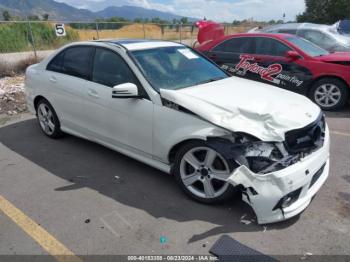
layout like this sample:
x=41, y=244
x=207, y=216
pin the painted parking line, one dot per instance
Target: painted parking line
x=340, y=133
x=39, y=234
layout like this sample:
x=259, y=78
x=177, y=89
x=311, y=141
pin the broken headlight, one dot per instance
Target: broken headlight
x=261, y=155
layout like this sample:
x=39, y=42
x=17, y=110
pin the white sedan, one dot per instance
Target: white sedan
x=166, y=105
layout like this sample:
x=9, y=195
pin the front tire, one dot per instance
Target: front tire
x=330, y=93
x=48, y=120
x=202, y=173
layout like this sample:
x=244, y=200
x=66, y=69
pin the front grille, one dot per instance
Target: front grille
x=308, y=138
x=317, y=175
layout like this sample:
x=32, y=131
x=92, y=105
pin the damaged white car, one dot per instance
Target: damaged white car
x=166, y=105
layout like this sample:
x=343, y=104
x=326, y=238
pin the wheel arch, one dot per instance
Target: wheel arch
x=37, y=99
x=318, y=78
x=175, y=148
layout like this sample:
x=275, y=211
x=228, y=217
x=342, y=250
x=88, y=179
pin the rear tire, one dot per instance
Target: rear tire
x=48, y=120
x=204, y=179
x=329, y=93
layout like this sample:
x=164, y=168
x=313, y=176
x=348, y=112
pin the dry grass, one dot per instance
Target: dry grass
x=20, y=67
x=127, y=31
x=136, y=31
x=152, y=31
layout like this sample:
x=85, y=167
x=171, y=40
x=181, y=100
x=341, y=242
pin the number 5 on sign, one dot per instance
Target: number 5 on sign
x=60, y=31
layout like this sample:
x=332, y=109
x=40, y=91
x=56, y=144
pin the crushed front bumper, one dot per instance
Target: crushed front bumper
x=303, y=179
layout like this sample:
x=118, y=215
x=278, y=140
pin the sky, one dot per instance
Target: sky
x=224, y=10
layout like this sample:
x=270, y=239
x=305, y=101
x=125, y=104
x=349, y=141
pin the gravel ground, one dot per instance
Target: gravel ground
x=12, y=96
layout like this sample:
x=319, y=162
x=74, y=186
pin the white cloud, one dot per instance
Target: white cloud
x=220, y=10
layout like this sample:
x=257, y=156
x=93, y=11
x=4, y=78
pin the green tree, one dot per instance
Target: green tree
x=45, y=17
x=33, y=18
x=184, y=20
x=325, y=11
x=236, y=22
x=138, y=20
x=6, y=15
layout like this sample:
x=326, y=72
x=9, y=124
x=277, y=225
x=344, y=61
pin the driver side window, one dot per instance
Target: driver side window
x=110, y=69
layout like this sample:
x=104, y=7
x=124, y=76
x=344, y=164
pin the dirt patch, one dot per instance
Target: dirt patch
x=12, y=95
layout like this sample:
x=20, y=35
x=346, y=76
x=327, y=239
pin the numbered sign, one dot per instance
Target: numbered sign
x=60, y=31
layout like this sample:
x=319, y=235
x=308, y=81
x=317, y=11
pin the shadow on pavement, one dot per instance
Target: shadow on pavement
x=87, y=164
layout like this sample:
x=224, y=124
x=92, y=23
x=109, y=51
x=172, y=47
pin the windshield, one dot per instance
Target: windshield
x=307, y=47
x=176, y=67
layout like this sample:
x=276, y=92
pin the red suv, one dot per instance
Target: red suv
x=283, y=60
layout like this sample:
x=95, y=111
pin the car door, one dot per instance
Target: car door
x=67, y=75
x=229, y=53
x=274, y=66
x=121, y=122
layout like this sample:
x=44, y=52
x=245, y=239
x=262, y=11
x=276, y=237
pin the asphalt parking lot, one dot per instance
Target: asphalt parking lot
x=94, y=201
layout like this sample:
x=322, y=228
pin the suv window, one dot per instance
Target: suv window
x=236, y=45
x=110, y=69
x=269, y=46
x=74, y=61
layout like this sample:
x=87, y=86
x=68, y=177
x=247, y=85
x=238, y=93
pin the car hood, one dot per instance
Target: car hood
x=335, y=57
x=242, y=105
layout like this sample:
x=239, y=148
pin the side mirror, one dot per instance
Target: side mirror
x=127, y=90
x=293, y=55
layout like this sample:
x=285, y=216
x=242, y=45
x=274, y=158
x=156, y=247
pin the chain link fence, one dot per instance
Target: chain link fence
x=21, y=40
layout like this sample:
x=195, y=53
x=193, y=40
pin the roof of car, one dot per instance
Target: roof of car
x=295, y=26
x=274, y=35
x=141, y=44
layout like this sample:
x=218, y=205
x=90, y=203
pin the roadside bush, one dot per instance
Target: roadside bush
x=15, y=37
x=18, y=68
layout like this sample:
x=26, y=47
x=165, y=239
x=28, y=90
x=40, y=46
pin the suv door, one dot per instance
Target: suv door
x=121, y=122
x=228, y=54
x=67, y=75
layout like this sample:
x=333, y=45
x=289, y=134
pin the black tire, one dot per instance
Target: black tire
x=56, y=132
x=227, y=194
x=339, y=84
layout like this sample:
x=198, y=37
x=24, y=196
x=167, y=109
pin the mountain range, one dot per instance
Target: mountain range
x=63, y=11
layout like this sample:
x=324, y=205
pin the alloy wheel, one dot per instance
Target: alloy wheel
x=204, y=172
x=46, y=119
x=327, y=95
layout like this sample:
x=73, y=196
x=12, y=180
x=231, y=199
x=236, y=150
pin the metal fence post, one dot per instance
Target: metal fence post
x=144, y=30
x=180, y=30
x=32, y=37
x=192, y=35
x=98, y=36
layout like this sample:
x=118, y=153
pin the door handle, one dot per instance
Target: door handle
x=53, y=79
x=93, y=93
